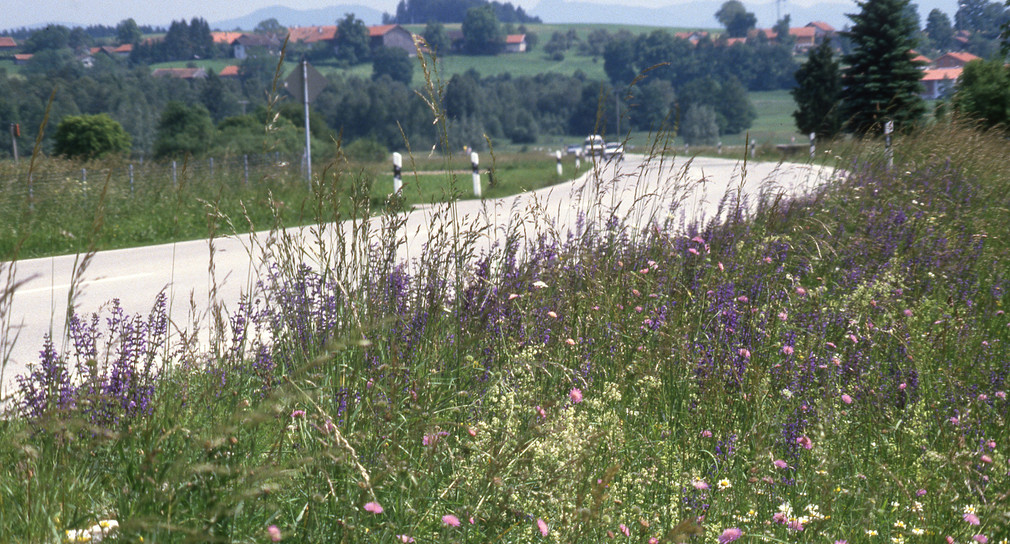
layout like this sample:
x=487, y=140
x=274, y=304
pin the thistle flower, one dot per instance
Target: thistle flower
x=729, y=535
x=450, y=520
x=373, y=507
x=274, y=533
x=576, y=395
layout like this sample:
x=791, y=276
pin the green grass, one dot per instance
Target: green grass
x=836, y=364
x=60, y=215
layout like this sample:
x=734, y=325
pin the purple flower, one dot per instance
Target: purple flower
x=729, y=535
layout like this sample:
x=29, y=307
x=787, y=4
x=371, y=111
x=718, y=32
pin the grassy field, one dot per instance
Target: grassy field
x=828, y=369
x=64, y=214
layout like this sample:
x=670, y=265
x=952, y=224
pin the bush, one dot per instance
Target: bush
x=90, y=137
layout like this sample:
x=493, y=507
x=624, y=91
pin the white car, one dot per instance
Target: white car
x=593, y=146
x=613, y=149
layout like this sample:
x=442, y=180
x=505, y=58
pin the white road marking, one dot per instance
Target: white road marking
x=85, y=283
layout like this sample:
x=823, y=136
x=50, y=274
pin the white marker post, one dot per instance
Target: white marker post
x=813, y=146
x=719, y=146
x=578, y=161
x=888, y=152
x=753, y=148
x=474, y=162
x=558, y=155
x=397, y=168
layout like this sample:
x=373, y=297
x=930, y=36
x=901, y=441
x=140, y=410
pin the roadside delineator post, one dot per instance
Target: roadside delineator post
x=719, y=146
x=245, y=168
x=753, y=148
x=131, y=178
x=558, y=155
x=475, y=163
x=888, y=152
x=397, y=171
x=813, y=146
x=174, y=179
x=578, y=161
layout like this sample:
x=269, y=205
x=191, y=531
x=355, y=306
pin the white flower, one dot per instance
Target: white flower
x=539, y=284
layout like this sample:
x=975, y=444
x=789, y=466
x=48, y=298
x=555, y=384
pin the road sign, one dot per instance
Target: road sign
x=293, y=84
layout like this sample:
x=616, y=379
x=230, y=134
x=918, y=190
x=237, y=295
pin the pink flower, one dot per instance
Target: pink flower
x=729, y=535
x=706, y=434
x=450, y=520
x=788, y=350
x=540, y=411
x=653, y=540
x=795, y=525
x=745, y=353
x=552, y=314
x=981, y=539
x=513, y=296
x=950, y=539
x=698, y=240
x=908, y=313
x=692, y=251
x=624, y=529
x=780, y=517
x=699, y=484
x=542, y=526
x=297, y=413
x=780, y=463
x=920, y=492
x=972, y=519
x=373, y=507
x=1001, y=395
x=405, y=539
x=471, y=431
x=853, y=338
x=805, y=442
x=986, y=459
x=902, y=386
x=570, y=342
x=801, y=291
x=636, y=292
x=783, y=316
x=846, y=399
x=721, y=267
x=274, y=533
x=576, y=395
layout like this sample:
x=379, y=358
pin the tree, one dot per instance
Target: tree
x=271, y=27
x=183, y=130
x=352, y=40
x=652, y=106
x=939, y=30
x=817, y=93
x=89, y=137
x=393, y=62
x=735, y=18
x=127, y=31
x=462, y=96
x=436, y=37
x=882, y=82
x=619, y=61
x=782, y=34
x=50, y=37
x=699, y=125
x=482, y=33
x=983, y=93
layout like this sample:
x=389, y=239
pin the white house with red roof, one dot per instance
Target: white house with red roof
x=515, y=43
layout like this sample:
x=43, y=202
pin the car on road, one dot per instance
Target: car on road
x=593, y=146
x=574, y=149
x=612, y=150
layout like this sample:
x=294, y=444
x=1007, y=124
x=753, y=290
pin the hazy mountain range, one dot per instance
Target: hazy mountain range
x=694, y=13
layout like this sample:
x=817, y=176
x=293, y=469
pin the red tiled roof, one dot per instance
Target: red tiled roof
x=734, y=41
x=962, y=56
x=23, y=56
x=940, y=74
x=921, y=58
x=380, y=30
x=7, y=41
x=225, y=37
x=229, y=71
x=515, y=38
x=125, y=48
x=822, y=26
x=803, y=32
x=312, y=34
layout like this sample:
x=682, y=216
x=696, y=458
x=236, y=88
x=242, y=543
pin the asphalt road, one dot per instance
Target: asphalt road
x=200, y=274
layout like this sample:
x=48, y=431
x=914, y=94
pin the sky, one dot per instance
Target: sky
x=160, y=12
x=155, y=12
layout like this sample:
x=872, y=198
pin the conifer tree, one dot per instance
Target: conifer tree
x=882, y=82
x=817, y=93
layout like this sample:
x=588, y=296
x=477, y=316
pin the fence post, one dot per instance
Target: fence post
x=245, y=166
x=174, y=182
x=474, y=162
x=131, y=178
x=558, y=155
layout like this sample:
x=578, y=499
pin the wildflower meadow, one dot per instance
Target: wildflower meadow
x=824, y=369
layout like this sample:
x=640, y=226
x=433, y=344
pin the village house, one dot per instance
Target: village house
x=515, y=43
x=229, y=71
x=248, y=45
x=7, y=47
x=940, y=77
x=392, y=36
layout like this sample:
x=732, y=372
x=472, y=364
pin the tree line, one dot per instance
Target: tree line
x=453, y=11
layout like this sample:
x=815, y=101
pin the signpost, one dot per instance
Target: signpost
x=475, y=163
x=888, y=152
x=305, y=84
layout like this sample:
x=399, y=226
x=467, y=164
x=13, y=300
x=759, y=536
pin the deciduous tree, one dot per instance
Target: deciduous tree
x=482, y=33
x=983, y=93
x=735, y=18
x=393, y=62
x=183, y=130
x=89, y=137
x=352, y=40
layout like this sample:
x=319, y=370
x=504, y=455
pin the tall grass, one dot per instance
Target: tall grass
x=828, y=368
